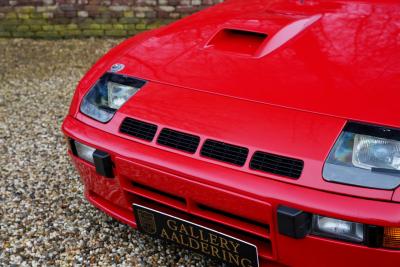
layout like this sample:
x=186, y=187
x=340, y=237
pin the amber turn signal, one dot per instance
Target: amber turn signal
x=391, y=237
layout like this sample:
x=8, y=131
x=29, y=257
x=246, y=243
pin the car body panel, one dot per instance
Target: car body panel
x=229, y=179
x=301, y=72
x=253, y=198
x=338, y=65
x=257, y=126
x=396, y=195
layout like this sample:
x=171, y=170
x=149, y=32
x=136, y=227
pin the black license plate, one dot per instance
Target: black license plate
x=228, y=249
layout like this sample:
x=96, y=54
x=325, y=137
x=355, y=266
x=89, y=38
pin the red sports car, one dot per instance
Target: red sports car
x=259, y=133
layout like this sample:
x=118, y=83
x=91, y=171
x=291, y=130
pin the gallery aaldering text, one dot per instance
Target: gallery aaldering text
x=208, y=243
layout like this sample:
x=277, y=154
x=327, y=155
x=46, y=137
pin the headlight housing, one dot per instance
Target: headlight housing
x=109, y=93
x=337, y=229
x=367, y=156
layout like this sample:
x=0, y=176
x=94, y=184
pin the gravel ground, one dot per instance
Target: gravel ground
x=44, y=219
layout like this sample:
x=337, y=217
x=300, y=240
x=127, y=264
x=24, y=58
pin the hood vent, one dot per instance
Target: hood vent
x=275, y=164
x=237, y=41
x=140, y=129
x=257, y=43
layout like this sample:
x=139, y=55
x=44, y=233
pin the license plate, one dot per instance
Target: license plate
x=228, y=249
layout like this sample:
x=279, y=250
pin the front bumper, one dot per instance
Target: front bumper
x=233, y=202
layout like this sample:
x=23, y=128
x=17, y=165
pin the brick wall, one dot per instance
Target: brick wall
x=84, y=18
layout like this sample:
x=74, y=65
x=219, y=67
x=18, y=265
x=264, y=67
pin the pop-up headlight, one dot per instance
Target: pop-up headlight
x=367, y=156
x=108, y=95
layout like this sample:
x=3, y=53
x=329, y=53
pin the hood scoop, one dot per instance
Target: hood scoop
x=237, y=41
x=256, y=43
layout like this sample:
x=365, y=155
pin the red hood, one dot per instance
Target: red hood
x=340, y=59
x=334, y=58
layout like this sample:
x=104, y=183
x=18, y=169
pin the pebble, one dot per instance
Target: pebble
x=44, y=218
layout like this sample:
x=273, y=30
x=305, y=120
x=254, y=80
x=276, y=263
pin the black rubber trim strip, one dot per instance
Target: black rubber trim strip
x=72, y=146
x=373, y=130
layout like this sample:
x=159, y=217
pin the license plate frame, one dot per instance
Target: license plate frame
x=200, y=239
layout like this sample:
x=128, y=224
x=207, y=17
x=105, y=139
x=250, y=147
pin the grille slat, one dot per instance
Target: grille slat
x=275, y=164
x=140, y=129
x=178, y=140
x=225, y=152
x=281, y=165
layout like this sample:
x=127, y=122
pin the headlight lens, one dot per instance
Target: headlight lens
x=372, y=152
x=338, y=229
x=108, y=95
x=118, y=94
x=367, y=156
x=84, y=152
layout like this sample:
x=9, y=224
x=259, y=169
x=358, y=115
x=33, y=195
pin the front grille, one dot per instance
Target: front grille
x=275, y=164
x=178, y=140
x=139, y=129
x=225, y=152
x=239, y=227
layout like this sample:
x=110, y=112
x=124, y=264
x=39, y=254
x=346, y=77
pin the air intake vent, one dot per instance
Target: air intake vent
x=225, y=152
x=178, y=140
x=277, y=164
x=139, y=129
x=237, y=41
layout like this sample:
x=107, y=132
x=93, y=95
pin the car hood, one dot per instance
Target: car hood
x=335, y=58
x=273, y=76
